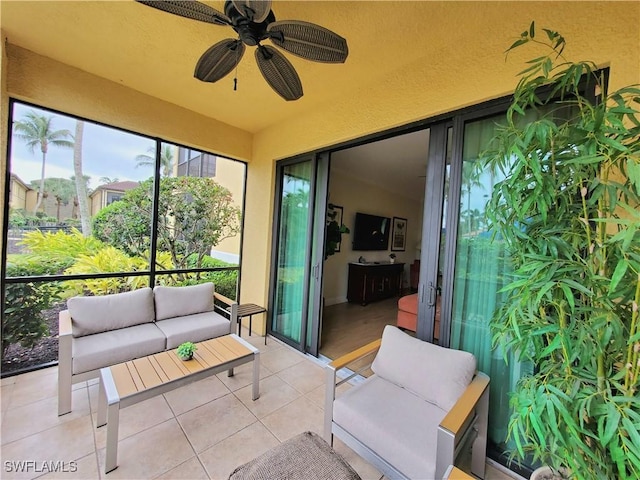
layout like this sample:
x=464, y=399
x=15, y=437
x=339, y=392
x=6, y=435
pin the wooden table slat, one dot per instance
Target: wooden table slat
x=147, y=373
x=209, y=355
x=135, y=376
x=169, y=367
x=122, y=379
x=237, y=348
x=159, y=370
x=223, y=351
x=193, y=365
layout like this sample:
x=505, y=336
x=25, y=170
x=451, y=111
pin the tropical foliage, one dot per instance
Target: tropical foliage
x=568, y=211
x=23, y=321
x=194, y=214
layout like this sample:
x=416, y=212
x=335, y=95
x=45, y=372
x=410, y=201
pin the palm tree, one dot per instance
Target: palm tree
x=81, y=185
x=107, y=180
x=37, y=131
x=166, y=159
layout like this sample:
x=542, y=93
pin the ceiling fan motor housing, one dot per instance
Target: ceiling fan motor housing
x=251, y=33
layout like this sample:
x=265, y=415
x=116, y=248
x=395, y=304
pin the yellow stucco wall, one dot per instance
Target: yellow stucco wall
x=438, y=82
x=51, y=84
x=428, y=81
x=4, y=121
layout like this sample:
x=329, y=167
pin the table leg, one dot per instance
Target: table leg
x=256, y=375
x=113, y=421
x=102, y=404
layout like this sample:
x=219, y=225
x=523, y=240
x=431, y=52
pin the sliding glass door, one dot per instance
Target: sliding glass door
x=297, y=253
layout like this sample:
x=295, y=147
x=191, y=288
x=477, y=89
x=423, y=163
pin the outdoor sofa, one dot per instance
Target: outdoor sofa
x=104, y=330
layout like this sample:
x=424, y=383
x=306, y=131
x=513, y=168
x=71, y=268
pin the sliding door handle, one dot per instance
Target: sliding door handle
x=432, y=295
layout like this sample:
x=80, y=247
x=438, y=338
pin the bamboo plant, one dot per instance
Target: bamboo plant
x=568, y=213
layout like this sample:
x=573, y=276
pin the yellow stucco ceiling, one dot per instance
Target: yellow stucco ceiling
x=155, y=52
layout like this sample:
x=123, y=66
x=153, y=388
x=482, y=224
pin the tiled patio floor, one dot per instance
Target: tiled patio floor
x=200, y=431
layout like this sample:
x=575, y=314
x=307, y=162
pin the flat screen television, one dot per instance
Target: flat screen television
x=371, y=232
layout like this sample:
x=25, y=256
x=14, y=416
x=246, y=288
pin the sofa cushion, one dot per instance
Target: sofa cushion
x=393, y=422
x=438, y=375
x=108, y=348
x=90, y=315
x=193, y=328
x=177, y=301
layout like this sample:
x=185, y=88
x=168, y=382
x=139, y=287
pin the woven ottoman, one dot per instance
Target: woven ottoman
x=306, y=456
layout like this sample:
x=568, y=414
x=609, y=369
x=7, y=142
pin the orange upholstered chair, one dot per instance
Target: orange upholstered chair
x=408, y=314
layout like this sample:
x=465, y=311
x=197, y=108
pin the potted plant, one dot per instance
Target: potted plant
x=334, y=232
x=185, y=350
x=567, y=212
x=392, y=258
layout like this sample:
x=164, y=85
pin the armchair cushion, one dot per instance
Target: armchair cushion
x=178, y=301
x=436, y=374
x=104, y=313
x=396, y=424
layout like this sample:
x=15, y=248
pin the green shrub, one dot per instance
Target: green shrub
x=23, y=321
x=61, y=246
x=106, y=260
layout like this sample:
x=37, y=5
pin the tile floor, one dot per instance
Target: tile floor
x=200, y=431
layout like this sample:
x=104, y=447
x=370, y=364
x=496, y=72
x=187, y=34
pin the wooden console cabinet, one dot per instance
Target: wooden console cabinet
x=369, y=282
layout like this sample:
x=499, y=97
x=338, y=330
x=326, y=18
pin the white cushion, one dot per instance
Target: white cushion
x=109, y=348
x=177, y=301
x=399, y=426
x=103, y=313
x=193, y=328
x=438, y=375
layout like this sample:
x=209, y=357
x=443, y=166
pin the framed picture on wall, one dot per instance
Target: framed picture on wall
x=399, y=234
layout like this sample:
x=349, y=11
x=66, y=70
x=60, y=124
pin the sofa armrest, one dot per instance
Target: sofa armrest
x=223, y=299
x=468, y=416
x=64, y=323
x=357, y=354
x=330, y=381
x=232, y=309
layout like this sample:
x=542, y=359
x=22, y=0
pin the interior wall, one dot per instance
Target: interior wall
x=356, y=196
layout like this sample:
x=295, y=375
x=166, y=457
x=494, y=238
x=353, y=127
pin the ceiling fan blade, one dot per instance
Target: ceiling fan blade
x=190, y=9
x=254, y=10
x=309, y=41
x=279, y=73
x=219, y=60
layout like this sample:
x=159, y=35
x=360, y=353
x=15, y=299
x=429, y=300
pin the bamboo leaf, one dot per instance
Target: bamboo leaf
x=612, y=422
x=621, y=269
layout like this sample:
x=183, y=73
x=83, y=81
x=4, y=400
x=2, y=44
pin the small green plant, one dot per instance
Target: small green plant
x=334, y=232
x=185, y=350
x=23, y=321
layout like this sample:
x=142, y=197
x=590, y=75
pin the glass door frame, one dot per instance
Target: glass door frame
x=312, y=276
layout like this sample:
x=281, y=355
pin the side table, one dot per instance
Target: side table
x=249, y=310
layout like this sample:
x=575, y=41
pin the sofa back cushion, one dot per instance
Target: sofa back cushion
x=103, y=313
x=436, y=374
x=179, y=301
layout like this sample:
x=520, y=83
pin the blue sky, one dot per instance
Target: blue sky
x=107, y=152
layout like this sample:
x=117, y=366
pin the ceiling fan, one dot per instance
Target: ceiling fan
x=254, y=21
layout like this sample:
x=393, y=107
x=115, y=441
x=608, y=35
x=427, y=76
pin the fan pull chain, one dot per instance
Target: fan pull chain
x=235, y=78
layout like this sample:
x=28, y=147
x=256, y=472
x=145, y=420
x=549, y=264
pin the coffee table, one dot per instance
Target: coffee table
x=131, y=382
